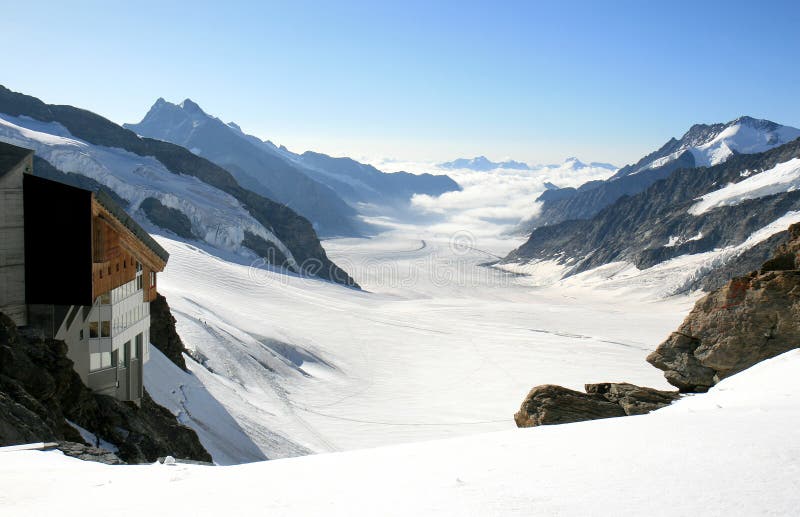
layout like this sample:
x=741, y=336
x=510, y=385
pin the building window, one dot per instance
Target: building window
x=101, y=361
x=81, y=334
x=105, y=298
x=117, y=267
x=105, y=329
x=94, y=329
x=152, y=279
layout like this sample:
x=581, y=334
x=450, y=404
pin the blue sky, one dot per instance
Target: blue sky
x=535, y=81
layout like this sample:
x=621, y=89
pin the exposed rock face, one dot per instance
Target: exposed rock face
x=751, y=319
x=167, y=218
x=89, y=453
x=39, y=391
x=549, y=404
x=163, y=334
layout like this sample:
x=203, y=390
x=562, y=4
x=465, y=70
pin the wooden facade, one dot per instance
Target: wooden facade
x=116, y=252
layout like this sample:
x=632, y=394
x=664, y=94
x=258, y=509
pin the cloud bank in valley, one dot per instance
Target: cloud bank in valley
x=496, y=201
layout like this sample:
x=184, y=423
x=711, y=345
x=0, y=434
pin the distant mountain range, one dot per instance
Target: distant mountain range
x=703, y=145
x=482, y=163
x=745, y=190
x=328, y=191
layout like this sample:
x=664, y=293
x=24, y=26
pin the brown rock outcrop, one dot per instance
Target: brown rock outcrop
x=163, y=334
x=549, y=404
x=751, y=319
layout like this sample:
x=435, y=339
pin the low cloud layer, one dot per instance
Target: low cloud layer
x=497, y=201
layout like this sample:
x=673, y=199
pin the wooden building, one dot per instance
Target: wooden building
x=89, y=273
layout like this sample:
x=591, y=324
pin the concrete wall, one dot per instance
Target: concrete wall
x=12, y=243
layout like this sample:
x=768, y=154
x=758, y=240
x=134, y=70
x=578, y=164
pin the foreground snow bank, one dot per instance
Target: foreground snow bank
x=732, y=451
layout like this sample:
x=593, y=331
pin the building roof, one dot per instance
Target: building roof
x=10, y=156
x=109, y=204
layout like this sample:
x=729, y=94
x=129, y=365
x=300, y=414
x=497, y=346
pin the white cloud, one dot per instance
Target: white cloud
x=496, y=201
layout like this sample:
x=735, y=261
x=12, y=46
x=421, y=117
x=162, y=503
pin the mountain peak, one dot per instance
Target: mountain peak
x=755, y=123
x=574, y=163
x=190, y=106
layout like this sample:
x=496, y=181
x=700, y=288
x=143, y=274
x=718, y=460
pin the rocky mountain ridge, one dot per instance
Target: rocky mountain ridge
x=658, y=224
x=328, y=191
x=255, y=167
x=702, y=145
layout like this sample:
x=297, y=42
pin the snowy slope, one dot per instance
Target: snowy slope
x=666, y=279
x=187, y=398
x=784, y=177
x=307, y=366
x=732, y=451
x=216, y=216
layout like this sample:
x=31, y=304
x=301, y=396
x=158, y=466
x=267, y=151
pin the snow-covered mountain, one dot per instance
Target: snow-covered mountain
x=482, y=163
x=702, y=146
x=328, y=191
x=213, y=209
x=702, y=219
x=256, y=165
x=711, y=144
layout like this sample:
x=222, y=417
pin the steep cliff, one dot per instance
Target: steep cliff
x=43, y=399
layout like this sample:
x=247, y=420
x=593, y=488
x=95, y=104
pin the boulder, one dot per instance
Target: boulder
x=752, y=318
x=549, y=404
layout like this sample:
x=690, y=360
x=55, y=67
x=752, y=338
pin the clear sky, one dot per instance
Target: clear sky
x=534, y=81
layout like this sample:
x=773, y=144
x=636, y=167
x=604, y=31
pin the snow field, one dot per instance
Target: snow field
x=732, y=451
